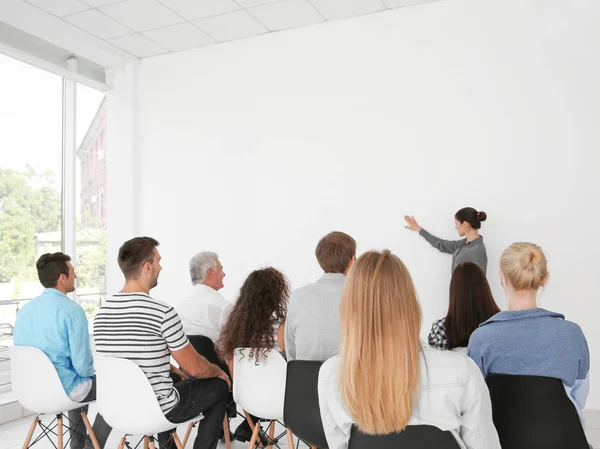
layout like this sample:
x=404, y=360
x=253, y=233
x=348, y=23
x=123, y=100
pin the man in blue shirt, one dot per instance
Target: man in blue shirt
x=58, y=326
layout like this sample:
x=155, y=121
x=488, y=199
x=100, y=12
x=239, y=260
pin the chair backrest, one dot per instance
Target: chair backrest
x=126, y=399
x=534, y=412
x=259, y=386
x=36, y=382
x=413, y=437
x=206, y=348
x=301, y=412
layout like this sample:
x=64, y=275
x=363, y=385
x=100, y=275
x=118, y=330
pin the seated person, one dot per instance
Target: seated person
x=205, y=311
x=312, y=329
x=58, y=326
x=471, y=303
x=133, y=325
x=526, y=339
x=257, y=322
x=383, y=379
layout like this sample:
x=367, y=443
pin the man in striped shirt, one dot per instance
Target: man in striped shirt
x=135, y=326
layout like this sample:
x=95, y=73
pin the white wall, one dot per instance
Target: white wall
x=257, y=148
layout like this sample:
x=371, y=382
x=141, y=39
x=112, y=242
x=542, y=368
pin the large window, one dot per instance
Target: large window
x=38, y=112
x=91, y=198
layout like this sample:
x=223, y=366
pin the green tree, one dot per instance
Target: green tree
x=29, y=204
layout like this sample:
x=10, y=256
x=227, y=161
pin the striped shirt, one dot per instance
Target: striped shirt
x=144, y=330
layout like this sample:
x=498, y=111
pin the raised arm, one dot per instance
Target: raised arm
x=444, y=246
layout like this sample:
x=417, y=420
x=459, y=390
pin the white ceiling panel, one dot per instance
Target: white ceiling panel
x=138, y=45
x=341, y=9
x=232, y=26
x=98, y=3
x=287, y=14
x=401, y=3
x=142, y=15
x=253, y=3
x=179, y=37
x=198, y=9
x=124, y=30
x=60, y=7
x=98, y=24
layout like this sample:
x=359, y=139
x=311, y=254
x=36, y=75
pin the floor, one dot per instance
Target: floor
x=13, y=433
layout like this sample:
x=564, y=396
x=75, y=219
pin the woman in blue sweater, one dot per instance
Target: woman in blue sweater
x=528, y=340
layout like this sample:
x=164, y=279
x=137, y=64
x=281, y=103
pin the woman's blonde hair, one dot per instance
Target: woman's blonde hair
x=379, y=354
x=524, y=265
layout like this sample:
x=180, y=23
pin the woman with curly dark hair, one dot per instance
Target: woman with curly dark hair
x=257, y=318
x=256, y=322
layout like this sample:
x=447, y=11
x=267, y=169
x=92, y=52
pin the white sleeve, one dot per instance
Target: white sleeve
x=477, y=429
x=336, y=422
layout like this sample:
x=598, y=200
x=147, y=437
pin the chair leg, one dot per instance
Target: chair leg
x=226, y=432
x=90, y=431
x=146, y=443
x=252, y=425
x=122, y=443
x=187, y=433
x=30, y=433
x=271, y=433
x=177, y=440
x=59, y=431
x=290, y=438
x=152, y=445
x=254, y=435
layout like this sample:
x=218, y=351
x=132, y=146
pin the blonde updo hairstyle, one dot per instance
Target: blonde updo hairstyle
x=524, y=265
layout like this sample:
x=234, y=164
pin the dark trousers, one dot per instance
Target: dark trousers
x=199, y=396
x=78, y=432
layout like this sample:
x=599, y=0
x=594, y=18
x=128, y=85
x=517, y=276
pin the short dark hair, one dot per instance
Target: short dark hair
x=471, y=303
x=134, y=253
x=50, y=266
x=471, y=216
x=335, y=251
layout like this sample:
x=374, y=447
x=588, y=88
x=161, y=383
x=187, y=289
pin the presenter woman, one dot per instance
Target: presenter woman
x=470, y=248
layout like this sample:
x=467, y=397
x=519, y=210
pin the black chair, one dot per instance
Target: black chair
x=413, y=437
x=206, y=348
x=301, y=412
x=534, y=412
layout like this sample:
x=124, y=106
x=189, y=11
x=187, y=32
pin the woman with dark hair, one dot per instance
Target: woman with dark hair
x=471, y=303
x=257, y=322
x=469, y=249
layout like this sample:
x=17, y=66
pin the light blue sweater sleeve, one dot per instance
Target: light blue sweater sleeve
x=79, y=343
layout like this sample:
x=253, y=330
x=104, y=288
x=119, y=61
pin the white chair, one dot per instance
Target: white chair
x=127, y=402
x=259, y=388
x=38, y=389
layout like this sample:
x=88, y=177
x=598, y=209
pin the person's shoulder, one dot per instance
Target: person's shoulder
x=329, y=370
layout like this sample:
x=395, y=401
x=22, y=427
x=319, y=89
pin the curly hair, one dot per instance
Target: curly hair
x=263, y=298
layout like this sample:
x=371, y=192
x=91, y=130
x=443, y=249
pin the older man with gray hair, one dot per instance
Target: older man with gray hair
x=205, y=310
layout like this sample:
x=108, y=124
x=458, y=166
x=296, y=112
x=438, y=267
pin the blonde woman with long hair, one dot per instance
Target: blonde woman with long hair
x=529, y=340
x=384, y=379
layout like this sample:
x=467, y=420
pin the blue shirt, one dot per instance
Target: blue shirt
x=534, y=342
x=58, y=326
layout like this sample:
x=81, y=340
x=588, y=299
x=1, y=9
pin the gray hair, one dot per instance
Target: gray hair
x=199, y=265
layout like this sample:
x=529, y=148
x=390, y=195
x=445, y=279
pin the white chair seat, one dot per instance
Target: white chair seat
x=36, y=382
x=126, y=399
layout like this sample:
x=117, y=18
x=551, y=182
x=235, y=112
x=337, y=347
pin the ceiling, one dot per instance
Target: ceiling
x=143, y=28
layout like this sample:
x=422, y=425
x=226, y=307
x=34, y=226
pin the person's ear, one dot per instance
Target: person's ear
x=545, y=280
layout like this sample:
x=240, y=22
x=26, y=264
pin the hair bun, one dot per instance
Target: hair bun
x=481, y=216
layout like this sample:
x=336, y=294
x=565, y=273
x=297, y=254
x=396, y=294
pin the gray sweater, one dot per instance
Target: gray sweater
x=461, y=250
x=312, y=323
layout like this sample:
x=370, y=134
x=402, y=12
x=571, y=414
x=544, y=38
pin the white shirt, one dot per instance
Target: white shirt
x=452, y=396
x=204, y=312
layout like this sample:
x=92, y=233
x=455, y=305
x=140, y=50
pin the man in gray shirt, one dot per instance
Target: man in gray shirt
x=312, y=325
